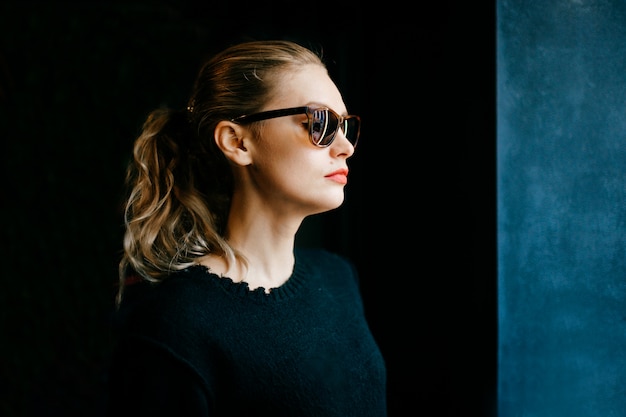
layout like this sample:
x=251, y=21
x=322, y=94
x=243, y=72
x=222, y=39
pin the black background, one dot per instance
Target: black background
x=77, y=80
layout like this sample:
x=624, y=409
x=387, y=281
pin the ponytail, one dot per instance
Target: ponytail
x=176, y=208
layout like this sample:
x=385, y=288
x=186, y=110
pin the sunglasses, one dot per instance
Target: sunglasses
x=323, y=123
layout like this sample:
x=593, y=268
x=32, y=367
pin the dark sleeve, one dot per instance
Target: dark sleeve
x=145, y=380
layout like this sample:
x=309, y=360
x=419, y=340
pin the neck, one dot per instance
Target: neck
x=266, y=238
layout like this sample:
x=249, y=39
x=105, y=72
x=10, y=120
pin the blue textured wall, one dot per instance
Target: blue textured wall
x=561, y=116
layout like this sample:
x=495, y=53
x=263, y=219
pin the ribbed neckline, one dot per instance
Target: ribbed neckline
x=301, y=273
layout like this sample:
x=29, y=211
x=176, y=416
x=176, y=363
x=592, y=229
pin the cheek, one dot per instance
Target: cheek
x=284, y=151
x=292, y=167
x=289, y=169
x=286, y=161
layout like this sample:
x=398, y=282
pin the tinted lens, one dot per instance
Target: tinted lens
x=323, y=126
x=350, y=127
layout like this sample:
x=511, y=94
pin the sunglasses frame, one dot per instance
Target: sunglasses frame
x=308, y=110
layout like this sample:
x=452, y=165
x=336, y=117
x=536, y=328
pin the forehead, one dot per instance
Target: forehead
x=305, y=85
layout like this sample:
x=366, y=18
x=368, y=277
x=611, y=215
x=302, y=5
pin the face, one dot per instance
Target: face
x=289, y=173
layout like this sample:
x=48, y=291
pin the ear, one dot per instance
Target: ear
x=229, y=137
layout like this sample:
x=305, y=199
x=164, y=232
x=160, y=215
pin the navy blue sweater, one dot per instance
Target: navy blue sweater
x=201, y=345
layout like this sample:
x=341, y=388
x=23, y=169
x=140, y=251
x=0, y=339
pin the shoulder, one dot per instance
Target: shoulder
x=330, y=266
x=170, y=309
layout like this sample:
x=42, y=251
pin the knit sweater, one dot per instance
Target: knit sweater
x=198, y=344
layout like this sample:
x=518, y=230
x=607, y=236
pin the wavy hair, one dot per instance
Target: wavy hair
x=179, y=182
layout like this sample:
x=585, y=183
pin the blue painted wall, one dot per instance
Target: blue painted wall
x=561, y=150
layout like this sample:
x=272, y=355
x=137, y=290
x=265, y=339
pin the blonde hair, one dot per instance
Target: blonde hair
x=179, y=182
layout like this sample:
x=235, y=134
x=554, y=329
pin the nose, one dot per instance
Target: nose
x=341, y=143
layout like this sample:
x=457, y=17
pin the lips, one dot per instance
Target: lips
x=340, y=176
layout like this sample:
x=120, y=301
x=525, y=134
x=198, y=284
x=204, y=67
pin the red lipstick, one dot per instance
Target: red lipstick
x=340, y=176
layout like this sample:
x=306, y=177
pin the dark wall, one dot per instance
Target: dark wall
x=76, y=81
x=561, y=191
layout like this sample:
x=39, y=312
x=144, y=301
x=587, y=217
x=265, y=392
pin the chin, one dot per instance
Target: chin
x=332, y=205
x=326, y=202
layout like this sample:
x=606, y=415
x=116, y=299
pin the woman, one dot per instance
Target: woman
x=219, y=313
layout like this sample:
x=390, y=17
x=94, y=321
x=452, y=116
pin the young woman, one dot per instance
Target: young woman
x=219, y=313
